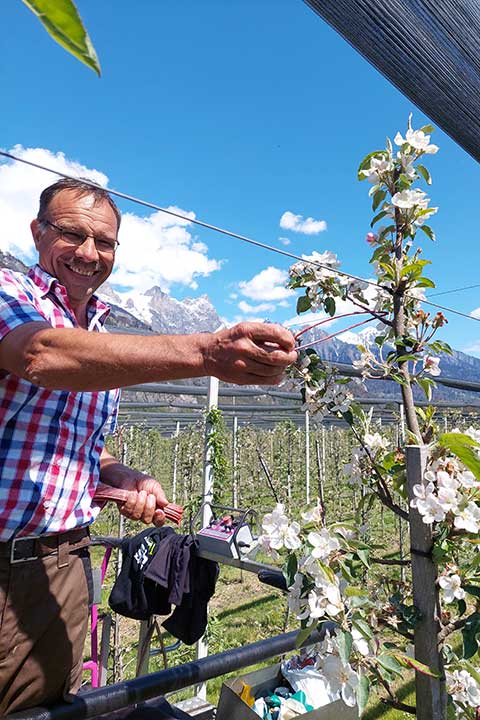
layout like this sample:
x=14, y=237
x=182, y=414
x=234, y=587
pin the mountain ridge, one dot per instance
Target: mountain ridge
x=157, y=311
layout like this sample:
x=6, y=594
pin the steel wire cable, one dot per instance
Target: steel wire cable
x=229, y=233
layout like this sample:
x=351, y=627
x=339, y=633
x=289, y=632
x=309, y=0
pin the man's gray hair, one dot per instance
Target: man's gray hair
x=82, y=188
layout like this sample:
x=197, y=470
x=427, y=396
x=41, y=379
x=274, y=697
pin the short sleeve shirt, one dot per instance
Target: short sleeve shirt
x=50, y=440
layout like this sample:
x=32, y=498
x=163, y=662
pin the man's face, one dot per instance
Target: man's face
x=80, y=267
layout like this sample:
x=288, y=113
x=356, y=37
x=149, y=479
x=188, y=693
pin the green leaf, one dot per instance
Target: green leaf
x=329, y=305
x=366, y=161
x=470, y=631
x=363, y=627
x=291, y=567
x=472, y=590
x=425, y=174
x=427, y=129
x=463, y=446
x=304, y=634
x=378, y=197
x=62, y=21
x=390, y=663
x=363, y=557
x=344, y=644
x=363, y=692
x=420, y=667
x=352, y=591
x=303, y=304
x=439, y=346
x=428, y=231
x=426, y=384
x=424, y=282
x=378, y=217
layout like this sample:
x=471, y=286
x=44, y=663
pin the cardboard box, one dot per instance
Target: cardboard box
x=263, y=682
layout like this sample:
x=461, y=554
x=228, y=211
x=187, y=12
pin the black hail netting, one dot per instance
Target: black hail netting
x=429, y=49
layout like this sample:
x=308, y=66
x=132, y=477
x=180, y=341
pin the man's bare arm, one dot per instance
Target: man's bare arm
x=77, y=360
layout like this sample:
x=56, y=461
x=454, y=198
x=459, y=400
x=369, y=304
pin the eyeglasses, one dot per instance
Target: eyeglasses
x=72, y=237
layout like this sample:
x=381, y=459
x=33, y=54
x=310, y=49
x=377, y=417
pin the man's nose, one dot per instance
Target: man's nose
x=87, y=251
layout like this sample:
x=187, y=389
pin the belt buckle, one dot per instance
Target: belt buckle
x=13, y=559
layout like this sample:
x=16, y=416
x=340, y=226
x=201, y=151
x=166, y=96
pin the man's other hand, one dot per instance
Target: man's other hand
x=250, y=354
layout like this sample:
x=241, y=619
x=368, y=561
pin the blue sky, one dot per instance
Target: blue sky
x=237, y=112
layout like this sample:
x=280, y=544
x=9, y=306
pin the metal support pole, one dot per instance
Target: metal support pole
x=307, y=457
x=402, y=424
x=431, y=694
x=208, y=480
x=117, y=656
x=175, y=462
x=235, y=461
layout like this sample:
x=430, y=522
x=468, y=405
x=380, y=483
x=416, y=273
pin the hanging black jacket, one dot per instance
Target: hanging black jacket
x=159, y=568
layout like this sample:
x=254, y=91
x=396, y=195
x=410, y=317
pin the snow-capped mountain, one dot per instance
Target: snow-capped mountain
x=164, y=313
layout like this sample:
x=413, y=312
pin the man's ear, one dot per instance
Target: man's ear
x=36, y=231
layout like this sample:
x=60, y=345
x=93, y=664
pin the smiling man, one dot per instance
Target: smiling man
x=59, y=377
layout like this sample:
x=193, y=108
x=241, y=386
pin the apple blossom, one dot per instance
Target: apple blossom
x=341, y=678
x=418, y=140
x=431, y=365
x=463, y=688
x=452, y=587
x=323, y=543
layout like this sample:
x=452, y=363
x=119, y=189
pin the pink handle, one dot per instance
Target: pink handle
x=106, y=493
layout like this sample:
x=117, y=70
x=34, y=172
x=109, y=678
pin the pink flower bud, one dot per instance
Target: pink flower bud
x=371, y=238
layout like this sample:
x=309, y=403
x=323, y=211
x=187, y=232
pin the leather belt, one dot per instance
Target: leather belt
x=33, y=547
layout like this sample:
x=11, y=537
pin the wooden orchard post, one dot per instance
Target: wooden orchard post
x=431, y=693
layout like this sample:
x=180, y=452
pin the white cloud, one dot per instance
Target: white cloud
x=475, y=313
x=296, y=223
x=473, y=347
x=249, y=309
x=20, y=188
x=284, y=240
x=267, y=286
x=158, y=249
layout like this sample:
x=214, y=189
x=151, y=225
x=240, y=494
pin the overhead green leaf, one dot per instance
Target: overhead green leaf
x=464, y=447
x=62, y=21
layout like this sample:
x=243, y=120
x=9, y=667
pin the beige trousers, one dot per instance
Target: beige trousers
x=43, y=625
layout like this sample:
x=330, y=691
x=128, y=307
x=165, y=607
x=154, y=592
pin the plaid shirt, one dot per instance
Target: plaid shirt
x=50, y=440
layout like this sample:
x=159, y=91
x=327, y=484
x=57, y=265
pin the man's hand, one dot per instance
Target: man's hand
x=250, y=354
x=144, y=494
x=144, y=500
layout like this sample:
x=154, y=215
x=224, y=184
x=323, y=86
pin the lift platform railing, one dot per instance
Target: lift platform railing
x=131, y=692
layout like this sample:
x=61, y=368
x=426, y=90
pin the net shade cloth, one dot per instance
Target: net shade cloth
x=429, y=49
